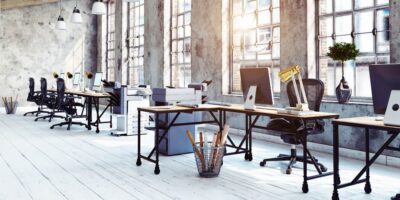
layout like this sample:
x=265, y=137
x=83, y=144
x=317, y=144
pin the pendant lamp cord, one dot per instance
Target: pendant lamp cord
x=60, y=7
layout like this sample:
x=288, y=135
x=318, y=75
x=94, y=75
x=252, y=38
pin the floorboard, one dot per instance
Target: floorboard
x=39, y=163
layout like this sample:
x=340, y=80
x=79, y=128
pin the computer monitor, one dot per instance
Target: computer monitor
x=261, y=78
x=384, y=79
x=77, y=78
x=97, y=81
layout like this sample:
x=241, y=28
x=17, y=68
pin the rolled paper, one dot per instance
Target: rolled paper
x=199, y=154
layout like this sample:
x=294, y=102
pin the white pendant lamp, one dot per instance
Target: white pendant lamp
x=76, y=15
x=61, y=25
x=99, y=8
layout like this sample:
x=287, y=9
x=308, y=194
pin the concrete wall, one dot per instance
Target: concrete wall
x=32, y=47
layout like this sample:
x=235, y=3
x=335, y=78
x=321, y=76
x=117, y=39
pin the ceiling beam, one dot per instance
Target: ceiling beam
x=9, y=4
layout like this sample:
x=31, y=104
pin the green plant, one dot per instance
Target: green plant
x=343, y=51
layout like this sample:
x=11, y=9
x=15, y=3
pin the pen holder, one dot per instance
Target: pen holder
x=209, y=159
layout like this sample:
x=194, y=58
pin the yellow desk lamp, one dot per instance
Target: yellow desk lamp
x=289, y=74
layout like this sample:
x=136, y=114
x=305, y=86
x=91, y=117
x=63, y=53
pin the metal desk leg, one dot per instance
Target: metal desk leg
x=250, y=156
x=138, y=161
x=367, y=187
x=336, y=180
x=246, y=155
x=157, y=132
x=305, y=183
x=89, y=112
x=97, y=105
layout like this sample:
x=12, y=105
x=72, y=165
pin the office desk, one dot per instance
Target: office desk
x=252, y=117
x=91, y=99
x=367, y=123
x=157, y=110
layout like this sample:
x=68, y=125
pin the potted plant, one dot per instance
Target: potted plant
x=343, y=52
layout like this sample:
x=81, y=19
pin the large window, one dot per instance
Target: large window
x=364, y=22
x=135, y=43
x=180, y=43
x=255, y=38
x=110, y=46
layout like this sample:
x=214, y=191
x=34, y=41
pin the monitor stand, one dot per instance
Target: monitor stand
x=379, y=118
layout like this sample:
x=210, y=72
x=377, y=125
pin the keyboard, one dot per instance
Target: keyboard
x=218, y=103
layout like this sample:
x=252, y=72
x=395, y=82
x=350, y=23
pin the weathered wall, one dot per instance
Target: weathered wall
x=395, y=31
x=32, y=47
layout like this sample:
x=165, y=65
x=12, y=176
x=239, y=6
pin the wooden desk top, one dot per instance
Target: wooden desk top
x=236, y=108
x=84, y=94
x=365, y=122
x=173, y=109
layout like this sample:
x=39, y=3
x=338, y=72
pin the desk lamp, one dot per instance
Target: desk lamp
x=290, y=74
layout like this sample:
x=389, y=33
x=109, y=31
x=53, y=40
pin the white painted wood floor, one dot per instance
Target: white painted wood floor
x=39, y=163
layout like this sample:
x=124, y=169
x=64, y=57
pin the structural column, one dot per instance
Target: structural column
x=298, y=38
x=154, y=45
x=394, y=19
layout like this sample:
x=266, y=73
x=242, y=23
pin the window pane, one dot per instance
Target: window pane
x=365, y=42
x=364, y=21
x=325, y=7
x=250, y=38
x=347, y=39
x=343, y=25
x=364, y=3
x=249, y=21
x=382, y=19
x=343, y=5
x=326, y=26
x=264, y=17
x=276, y=15
x=363, y=84
x=382, y=2
x=264, y=4
x=382, y=42
x=264, y=35
x=250, y=5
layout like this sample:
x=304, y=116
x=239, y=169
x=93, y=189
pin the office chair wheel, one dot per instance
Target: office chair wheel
x=289, y=171
x=157, y=170
x=323, y=168
x=51, y=127
x=138, y=162
x=36, y=120
x=97, y=131
x=367, y=188
x=262, y=164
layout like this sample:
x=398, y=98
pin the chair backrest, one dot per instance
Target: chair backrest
x=43, y=87
x=314, y=91
x=31, y=88
x=60, y=91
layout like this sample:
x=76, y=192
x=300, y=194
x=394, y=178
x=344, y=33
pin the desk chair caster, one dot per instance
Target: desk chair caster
x=396, y=197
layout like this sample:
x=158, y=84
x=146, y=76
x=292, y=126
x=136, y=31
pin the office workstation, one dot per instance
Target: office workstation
x=187, y=99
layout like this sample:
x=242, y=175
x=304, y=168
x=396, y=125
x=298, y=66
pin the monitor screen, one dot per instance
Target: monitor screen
x=77, y=78
x=384, y=79
x=97, y=79
x=259, y=77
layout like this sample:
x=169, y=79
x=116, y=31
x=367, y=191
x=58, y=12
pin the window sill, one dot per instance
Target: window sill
x=353, y=101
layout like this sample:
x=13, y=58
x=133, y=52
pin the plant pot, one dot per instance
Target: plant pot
x=343, y=91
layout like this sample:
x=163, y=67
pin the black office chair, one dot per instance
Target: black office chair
x=34, y=96
x=291, y=130
x=48, y=99
x=396, y=197
x=68, y=105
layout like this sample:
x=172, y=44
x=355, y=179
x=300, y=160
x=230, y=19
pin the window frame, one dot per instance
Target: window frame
x=109, y=40
x=130, y=43
x=271, y=63
x=375, y=54
x=176, y=39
